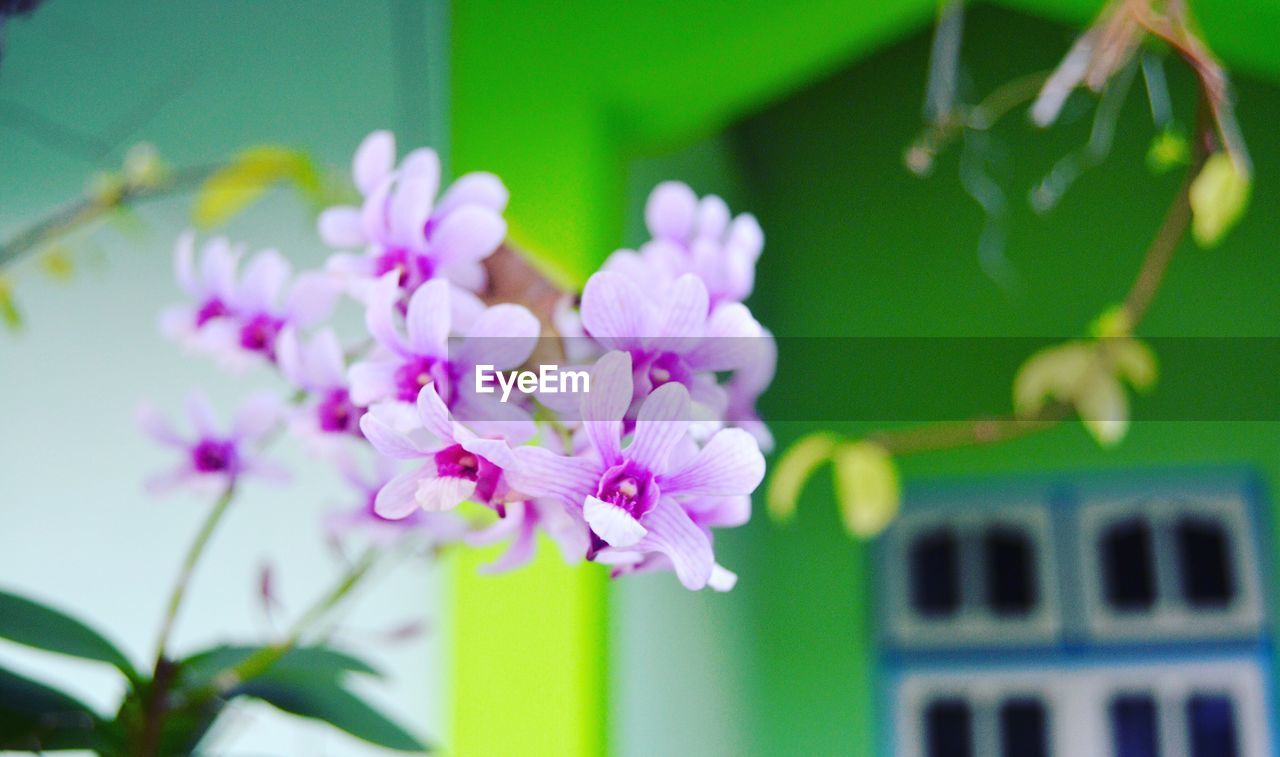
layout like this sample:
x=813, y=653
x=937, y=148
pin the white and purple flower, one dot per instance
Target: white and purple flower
x=403, y=229
x=502, y=336
x=456, y=463
x=214, y=456
x=238, y=318
x=318, y=367
x=671, y=335
x=694, y=236
x=438, y=529
x=633, y=498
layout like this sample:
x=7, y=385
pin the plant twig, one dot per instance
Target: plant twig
x=996, y=429
x=188, y=568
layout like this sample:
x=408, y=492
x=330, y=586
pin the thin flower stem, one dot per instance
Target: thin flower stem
x=188, y=568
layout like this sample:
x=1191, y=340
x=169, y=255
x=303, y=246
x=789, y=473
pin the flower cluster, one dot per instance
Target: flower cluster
x=661, y=446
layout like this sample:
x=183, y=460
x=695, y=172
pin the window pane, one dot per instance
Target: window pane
x=1133, y=726
x=1128, y=565
x=1211, y=720
x=948, y=729
x=935, y=574
x=1204, y=562
x=1011, y=571
x=1023, y=729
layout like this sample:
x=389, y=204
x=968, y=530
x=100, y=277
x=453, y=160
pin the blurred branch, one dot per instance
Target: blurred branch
x=1003, y=428
x=98, y=203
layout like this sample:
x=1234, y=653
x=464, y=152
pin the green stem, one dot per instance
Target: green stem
x=188, y=568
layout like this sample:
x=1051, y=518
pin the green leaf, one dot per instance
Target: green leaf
x=233, y=188
x=867, y=487
x=35, y=625
x=311, y=696
x=200, y=670
x=35, y=717
x=793, y=470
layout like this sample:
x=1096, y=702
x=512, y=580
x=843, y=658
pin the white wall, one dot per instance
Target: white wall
x=75, y=527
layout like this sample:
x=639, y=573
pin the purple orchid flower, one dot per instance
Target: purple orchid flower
x=439, y=529
x=319, y=369
x=214, y=456
x=694, y=236
x=502, y=336
x=670, y=335
x=630, y=497
x=237, y=319
x=403, y=229
x=457, y=464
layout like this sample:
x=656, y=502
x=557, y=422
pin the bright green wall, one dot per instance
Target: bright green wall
x=566, y=102
x=857, y=246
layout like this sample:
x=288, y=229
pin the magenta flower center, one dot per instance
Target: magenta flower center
x=420, y=371
x=667, y=367
x=413, y=269
x=337, y=414
x=214, y=308
x=629, y=487
x=457, y=462
x=214, y=456
x=258, y=334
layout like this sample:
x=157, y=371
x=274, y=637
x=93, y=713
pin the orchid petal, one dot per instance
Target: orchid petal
x=263, y=278
x=685, y=310
x=372, y=381
x=670, y=210
x=433, y=414
x=674, y=535
x=730, y=464
x=257, y=417
x=202, y=415
x=397, y=498
x=379, y=316
x=443, y=492
x=427, y=320
x=468, y=234
x=311, y=299
x=662, y=422
x=373, y=161
x=731, y=340
x=614, y=310
x=409, y=209
x=542, y=473
x=478, y=188
x=340, y=227
x=503, y=336
x=392, y=428
x=721, y=578
x=612, y=523
x=155, y=425
x=604, y=406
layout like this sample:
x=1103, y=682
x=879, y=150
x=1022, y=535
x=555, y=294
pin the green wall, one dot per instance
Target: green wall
x=857, y=246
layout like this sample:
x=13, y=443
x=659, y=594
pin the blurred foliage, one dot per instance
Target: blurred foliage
x=171, y=712
x=1219, y=196
x=250, y=174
